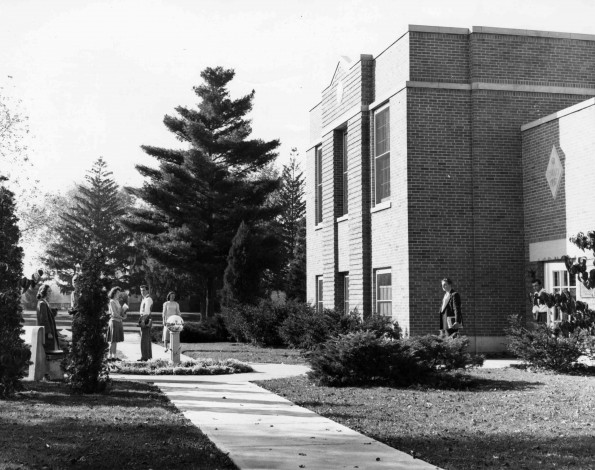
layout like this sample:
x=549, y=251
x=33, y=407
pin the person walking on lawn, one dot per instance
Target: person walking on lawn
x=170, y=308
x=145, y=323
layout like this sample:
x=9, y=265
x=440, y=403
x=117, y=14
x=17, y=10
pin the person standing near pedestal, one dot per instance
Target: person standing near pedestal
x=145, y=324
x=46, y=318
x=540, y=309
x=170, y=308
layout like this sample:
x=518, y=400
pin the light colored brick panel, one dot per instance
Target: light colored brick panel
x=316, y=123
x=314, y=248
x=352, y=94
x=392, y=67
x=343, y=246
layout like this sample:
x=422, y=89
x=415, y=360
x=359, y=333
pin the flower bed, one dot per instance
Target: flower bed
x=194, y=367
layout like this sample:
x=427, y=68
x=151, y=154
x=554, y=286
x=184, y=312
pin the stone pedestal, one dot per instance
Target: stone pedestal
x=174, y=344
x=54, y=365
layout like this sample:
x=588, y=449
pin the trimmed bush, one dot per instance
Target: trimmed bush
x=364, y=358
x=556, y=349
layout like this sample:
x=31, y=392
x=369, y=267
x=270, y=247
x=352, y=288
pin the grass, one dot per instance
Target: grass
x=242, y=352
x=135, y=426
x=506, y=418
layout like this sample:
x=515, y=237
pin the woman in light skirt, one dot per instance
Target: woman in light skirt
x=170, y=308
x=115, y=329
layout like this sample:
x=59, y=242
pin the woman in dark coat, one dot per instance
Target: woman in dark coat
x=46, y=318
x=451, y=316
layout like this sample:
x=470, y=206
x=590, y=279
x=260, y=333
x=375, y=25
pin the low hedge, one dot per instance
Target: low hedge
x=194, y=367
x=210, y=330
x=364, y=358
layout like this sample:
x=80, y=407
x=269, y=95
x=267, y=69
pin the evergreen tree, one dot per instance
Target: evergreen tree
x=92, y=219
x=86, y=368
x=293, y=203
x=200, y=193
x=14, y=354
x=295, y=285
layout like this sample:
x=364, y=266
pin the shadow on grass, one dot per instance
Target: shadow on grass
x=467, y=451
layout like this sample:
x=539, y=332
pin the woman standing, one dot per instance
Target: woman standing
x=46, y=318
x=115, y=329
x=170, y=308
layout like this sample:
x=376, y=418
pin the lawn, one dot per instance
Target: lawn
x=244, y=352
x=509, y=418
x=135, y=426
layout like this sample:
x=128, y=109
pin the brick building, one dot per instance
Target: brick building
x=415, y=172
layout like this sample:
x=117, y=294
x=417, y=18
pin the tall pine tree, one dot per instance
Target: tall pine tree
x=293, y=203
x=94, y=219
x=201, y=193
x=14, y=354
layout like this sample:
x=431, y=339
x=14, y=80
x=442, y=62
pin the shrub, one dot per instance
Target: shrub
x=193, y=367
x=305, y=328
x=363, y=357
x=258, y=324
x=86, y=366
x=544, y=347
x=14, y=353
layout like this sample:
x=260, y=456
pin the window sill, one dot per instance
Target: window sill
x=320, y=226
x=343, y=218
x=381, y=206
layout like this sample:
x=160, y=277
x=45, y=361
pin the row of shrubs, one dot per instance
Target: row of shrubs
x=299, y=325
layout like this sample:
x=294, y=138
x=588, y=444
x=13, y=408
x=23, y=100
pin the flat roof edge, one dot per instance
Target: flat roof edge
x=559, y=114
x=532, y=32
x=419, y=28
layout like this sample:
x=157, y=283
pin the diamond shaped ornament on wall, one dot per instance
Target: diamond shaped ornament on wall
x=554, y=172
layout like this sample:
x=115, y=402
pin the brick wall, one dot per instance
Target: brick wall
x=508, y=58
x=351, y=81
x=439, y=57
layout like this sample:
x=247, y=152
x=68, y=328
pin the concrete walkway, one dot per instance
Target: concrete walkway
x=261, y=430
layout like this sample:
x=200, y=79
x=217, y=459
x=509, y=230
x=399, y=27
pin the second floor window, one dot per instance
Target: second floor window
x=382, y=155
x=345, y=175
x=318, y=185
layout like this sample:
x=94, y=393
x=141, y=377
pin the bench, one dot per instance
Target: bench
x=42, y=362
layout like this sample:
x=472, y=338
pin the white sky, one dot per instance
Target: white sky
x=97, y=77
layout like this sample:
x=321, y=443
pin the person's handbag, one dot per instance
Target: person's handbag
x=452, y=324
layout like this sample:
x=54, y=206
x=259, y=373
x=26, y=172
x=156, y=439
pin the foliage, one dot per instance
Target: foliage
x=192, y=367
x=251, y=253
x=86, y=363
x=258, y=324
x=93, y=219
x=200, y=194
x=295, y=280
x=14, y=354
x=208, y=330
x=544, y=347
x=364, y=358
x=305, y=328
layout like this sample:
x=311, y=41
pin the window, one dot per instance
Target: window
x=319, y=302
x=345, y=174
x=384, y=292
x=346, y=292
x=557, y=280
x=382, y=155
x=318, y=184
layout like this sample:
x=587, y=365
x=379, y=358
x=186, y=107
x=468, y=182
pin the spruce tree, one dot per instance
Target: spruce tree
x=92, y=219
x=293, y=203
x=14, y=354
x=201, y=192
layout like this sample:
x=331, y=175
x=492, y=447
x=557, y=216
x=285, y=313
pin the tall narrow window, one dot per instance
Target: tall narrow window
x=382, y=154
x=319, y=286
x=384, y=292
x=345, y=173
x=318, y=185
x=346, y=292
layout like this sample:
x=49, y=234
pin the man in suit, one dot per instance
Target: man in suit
x=451, y=317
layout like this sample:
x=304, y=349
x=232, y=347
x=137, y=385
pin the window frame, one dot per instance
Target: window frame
x=345, y=173
x=379, y=197
x=378, y=301
x=318, y=184
x=346, y=292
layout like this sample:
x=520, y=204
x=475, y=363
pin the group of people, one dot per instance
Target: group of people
x=117, y=310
